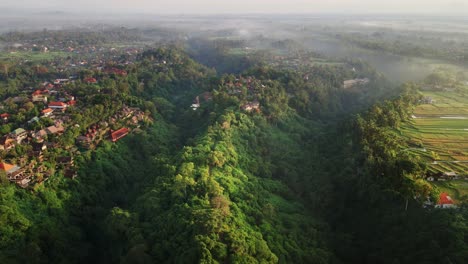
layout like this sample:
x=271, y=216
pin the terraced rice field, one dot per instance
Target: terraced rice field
x=438, y=131
x=444, y=103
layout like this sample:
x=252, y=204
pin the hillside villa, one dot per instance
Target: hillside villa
x=58, y=105
x=445, y=201
x=118, y=134
x=15, y=173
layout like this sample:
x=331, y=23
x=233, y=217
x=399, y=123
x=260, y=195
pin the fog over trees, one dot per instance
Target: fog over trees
x=243, y=132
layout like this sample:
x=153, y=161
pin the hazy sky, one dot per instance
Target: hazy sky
x=246, y=6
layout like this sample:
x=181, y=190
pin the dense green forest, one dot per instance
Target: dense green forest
x=315, y=174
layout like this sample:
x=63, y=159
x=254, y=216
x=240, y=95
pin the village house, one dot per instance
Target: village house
x=15, y=174
x=127, y=112
x=65, y=161
x=47, y=112
x=70, y=174
x=450, y=174
x=61, y=81
x=47, y=85
x=196, y=103
x=33, y=120
x=90, y=80
x=118, y=134
x=40, y=96
x=56, y=129
x=39, y=146
x=134, y=120
x=351, y=83
x=58, y=106
x=93, y=132
x=249, y=107
x=84, y=141
x=445, y=201
x=41, y=134
x=116, y=71
x=5, y=117
x=207, y=96
x=19, y=135
x=447, y=176
x=427, y=100
x=38, y=149
x=142, y=116
x=103, y=124
x=195, y=106
x=66, y=97
x=6, y=143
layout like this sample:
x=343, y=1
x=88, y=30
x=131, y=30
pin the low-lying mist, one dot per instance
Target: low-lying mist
x=313, y=33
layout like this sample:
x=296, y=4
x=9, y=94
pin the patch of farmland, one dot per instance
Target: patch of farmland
x=441, y=129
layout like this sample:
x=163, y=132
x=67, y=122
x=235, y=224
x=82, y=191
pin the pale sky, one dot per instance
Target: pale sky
x=246, y=6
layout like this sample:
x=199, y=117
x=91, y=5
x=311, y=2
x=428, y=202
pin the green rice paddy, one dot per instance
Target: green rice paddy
x=438, y=132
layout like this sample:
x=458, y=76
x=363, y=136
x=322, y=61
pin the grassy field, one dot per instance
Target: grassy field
x=32, y=56
x=445, y=103
x=438, y=131
x=325, y=62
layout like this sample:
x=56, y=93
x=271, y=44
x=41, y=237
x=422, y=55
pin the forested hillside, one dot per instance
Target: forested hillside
x=267, y=166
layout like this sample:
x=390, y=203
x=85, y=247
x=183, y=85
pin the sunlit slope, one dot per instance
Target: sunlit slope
x=438, y=130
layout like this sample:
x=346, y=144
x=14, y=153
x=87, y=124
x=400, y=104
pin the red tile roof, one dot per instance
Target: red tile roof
x=57, y=104
x=6, y=167
x=55, y=129
x=90, y=80
x=39, y=92
x=445, y=199
x=5, y=115
x=47, y=110
x=118, y=134
x=116, y=71
x=72, y=102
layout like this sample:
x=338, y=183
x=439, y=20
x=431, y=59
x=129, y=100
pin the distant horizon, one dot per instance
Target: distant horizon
x=212, y=7
x=36, y=11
